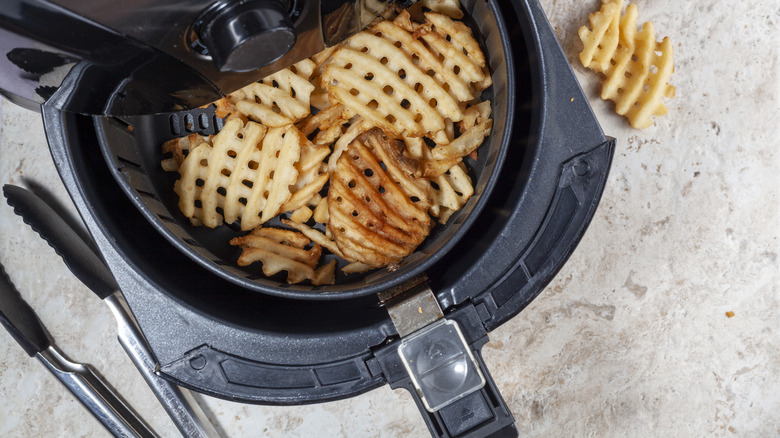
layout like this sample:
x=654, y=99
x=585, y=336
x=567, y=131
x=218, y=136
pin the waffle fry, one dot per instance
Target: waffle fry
x=280, y=99
x=636, y=67
x=416, y=77
x=251, y=172
x=284, y=250
x=374, y=219
x=408, y=84
x=176, y=150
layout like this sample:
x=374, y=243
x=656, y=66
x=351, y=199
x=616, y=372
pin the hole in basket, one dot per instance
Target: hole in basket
x=240, y=135
x=384, y=60
x=418, y=87
x=204, y=162
x=368, y=172
x=198, y=203
x=243, y=201
x=364, y=49
x=456, y=69
x=418, y=118
x=348, y=66
x=222, y=191
x=355, y=213
x=247, y=183
x=402, y=74
x=414, y=199
x=628, y=74
x=398, y=44
x=373, y=104
x=381, y=189
x=369, y=76
x=352, y=184
x=339, y=199
x=354, y=91
x=390, y=118
x=368, y=199
x=226, y=172
x=199, y=182
x=434, y=185
x=433, y=103
x=252, y=164
x=405, y=104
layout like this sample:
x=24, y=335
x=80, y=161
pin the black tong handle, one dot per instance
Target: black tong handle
x=78, y=256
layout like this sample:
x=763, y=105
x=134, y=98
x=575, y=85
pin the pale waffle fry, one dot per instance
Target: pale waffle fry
x=176, y=150
x=249, y=174
x=284, y=250
x=457, y=49
x=327, y=124
x=636, y=67
x=373, y=219
x=408, y=83
x=451, y=190
x=450, y=8
x=312, y=175
x=279, y=99
x=465, y=144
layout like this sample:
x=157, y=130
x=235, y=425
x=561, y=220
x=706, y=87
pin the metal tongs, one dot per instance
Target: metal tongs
x=25, y=327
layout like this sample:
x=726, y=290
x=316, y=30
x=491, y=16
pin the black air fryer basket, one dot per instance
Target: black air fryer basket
x=227, y=334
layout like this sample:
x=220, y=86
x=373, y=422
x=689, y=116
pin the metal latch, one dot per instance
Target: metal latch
x=434, y=351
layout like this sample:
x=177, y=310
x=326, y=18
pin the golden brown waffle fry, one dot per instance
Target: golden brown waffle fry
x=279, y=99
x=407, y=83
x=284, y=250
x=374, y=220
x=637, y=68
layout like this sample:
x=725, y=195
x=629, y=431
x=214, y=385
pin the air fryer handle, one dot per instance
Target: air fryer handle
x=483, y=413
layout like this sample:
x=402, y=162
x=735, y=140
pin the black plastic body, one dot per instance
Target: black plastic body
x=20, y=319
x=215, y=337
x=131, y=145
x=139, y=57
x=77, y=255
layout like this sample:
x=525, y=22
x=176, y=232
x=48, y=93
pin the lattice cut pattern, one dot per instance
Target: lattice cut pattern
x=280, y=99
x=251, y=173
x=408, y=79
x=636, y=66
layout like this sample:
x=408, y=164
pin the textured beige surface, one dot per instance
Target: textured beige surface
x=630, y=339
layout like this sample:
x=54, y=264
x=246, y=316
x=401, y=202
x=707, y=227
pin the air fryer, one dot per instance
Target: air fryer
x=291, y=346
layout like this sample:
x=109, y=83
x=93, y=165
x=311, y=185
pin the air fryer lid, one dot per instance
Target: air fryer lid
x=134, y=157
x=218, y=338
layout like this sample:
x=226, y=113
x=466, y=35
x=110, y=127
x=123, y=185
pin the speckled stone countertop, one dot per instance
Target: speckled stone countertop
x=631, y=338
